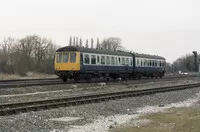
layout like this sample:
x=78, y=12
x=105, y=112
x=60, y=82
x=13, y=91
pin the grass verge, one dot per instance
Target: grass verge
x=173, y=120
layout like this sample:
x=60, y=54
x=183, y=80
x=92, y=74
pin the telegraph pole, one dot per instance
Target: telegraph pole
x=196, y=62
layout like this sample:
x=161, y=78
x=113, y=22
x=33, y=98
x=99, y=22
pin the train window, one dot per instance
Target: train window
x=93, y=59
x=112, y=61
x=145, y=62
x=160, y=63
x=137, y=61
x=59, y=57
x=141, y=63
x=72, y=57
x=87, y=59
x=127, y=61
x=65, y=57
x=116, y=60
x=153, y=63
x=150, y=63
x=119, y=60
x=123, y=61
x=107, y=60
x=131, y=61
x=103, y=60
x=156, y=63
x=98, y=59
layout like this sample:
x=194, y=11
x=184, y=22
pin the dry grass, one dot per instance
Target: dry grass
x=29, y=75
x=174, y=120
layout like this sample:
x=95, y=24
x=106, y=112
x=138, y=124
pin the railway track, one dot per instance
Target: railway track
x=15, y=108
x=22, y=80
x=54, y=81
x=29, y=82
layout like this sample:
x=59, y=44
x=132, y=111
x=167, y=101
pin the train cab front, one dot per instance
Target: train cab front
x=67, y=64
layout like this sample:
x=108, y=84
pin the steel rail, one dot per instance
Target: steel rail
x=15, y=108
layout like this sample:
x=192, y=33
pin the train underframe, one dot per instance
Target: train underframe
x=76, y=75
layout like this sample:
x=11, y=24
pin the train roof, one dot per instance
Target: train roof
x=100, y=51
x=148, y=56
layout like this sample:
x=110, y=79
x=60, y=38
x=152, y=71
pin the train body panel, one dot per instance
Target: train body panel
x=107, y=68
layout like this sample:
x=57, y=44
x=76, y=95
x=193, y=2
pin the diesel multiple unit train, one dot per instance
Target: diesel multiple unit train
x=86, y=63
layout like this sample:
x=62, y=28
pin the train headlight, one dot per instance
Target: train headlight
x=58, y=67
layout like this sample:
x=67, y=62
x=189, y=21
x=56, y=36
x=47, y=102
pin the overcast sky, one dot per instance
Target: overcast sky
x=170, y=28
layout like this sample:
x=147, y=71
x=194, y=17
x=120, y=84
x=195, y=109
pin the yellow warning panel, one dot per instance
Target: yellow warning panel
x=67, y=61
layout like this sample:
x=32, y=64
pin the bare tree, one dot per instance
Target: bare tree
x=80, y=42
x=98, y=44
x=86, y=43
x=40, y=49
x=185, y=63
x=51, y=49
x=74, y=41
x=7, y=60
x=31, y=53
x=92, y=41
x=26, y=46
x=70, y=41
x=34, y=51
x=111, y=43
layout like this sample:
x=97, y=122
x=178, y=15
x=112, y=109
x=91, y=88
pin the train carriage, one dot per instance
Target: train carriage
x=149, y=65
x=85, y=63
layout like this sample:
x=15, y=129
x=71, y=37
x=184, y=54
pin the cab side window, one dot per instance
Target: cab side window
x=59, y=58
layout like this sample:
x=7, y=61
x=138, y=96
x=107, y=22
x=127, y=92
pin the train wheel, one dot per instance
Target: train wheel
x=139, y=76
x=76, y=79
x=64, y=79
x=88, y=78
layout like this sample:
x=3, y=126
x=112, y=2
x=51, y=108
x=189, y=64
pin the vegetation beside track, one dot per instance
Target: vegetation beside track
x=30, y=75
x=173, y=120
